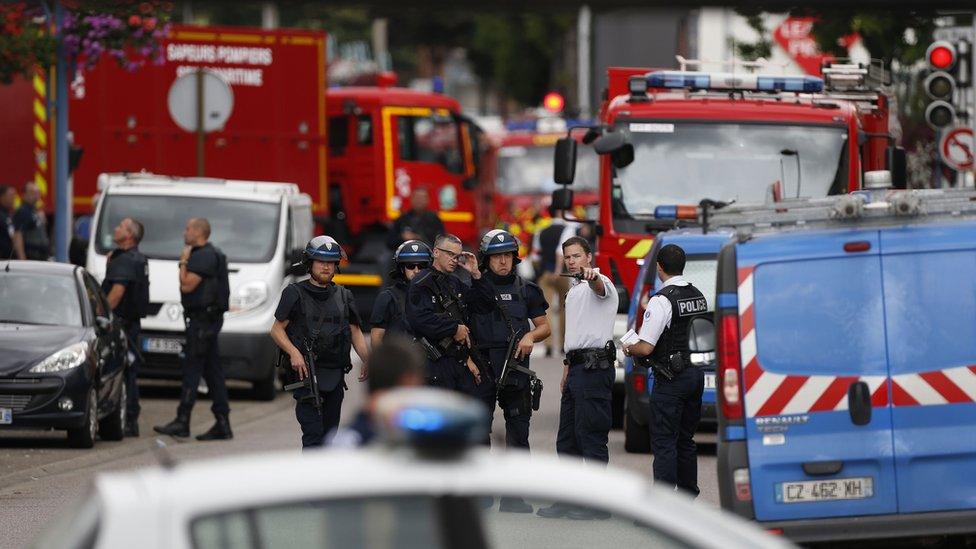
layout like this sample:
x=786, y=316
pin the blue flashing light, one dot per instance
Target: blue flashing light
x=666, y=212
x=422, y=420
x=695, y=80
x=679, y=79
x=799, y=84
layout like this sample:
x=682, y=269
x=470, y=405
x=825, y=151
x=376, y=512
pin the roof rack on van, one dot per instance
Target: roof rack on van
x=878, y=207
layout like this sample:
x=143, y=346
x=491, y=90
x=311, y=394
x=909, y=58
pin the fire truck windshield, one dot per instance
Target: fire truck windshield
x=682, y=163
x=528, y=170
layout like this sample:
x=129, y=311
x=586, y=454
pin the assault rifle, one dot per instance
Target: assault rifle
x=311, y=381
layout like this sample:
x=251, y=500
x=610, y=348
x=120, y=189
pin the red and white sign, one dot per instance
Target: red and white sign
x=795, y=36
x=956, y=148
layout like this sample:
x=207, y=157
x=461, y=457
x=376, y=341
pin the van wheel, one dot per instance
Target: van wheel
x=84, y=436
x=265, y=389
x=113, y=426
x=637, y=437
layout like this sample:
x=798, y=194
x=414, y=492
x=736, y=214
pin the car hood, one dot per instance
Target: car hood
x=23, y=345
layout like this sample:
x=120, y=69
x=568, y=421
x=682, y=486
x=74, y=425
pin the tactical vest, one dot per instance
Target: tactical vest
x=326, y=328
x=686, y=303
x=397, y=323
x=136, y=305
x=492, y=329
x=446, y=298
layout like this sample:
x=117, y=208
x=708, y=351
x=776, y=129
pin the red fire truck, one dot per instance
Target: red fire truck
x=357, y=151
x=671, y=138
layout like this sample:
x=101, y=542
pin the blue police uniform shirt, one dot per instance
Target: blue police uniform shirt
x=387, y=313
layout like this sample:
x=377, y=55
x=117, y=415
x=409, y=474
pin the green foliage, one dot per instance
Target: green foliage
x=762, y=48
x=884, y=33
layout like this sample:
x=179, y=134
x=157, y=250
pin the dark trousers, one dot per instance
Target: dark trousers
x=515, y=400
x=201, y=356
x=132, y=407
x=450, y=373
x=315, y=427
x=585, y=413
x=675, y=411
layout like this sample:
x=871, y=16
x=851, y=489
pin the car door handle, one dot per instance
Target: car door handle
x=859, y=403
x=822, y=468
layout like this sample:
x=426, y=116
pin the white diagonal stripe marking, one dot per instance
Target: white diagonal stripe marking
x=745, y=294
x=964, y=378
x=761, y=390
x=747, y=348
x=919, y=389
x=803, y=400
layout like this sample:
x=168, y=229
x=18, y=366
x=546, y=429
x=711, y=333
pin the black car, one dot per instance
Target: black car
x=62, y=354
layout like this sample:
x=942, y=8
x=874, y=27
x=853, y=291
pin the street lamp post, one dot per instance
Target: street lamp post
x=62, y=184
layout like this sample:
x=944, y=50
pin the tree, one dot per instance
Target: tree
x=891, y=35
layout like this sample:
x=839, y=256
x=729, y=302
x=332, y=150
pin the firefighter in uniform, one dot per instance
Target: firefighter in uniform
x=389, y=317
x=126, y=286
x=587, y=384
x=316, y=319
x=438, y=306
x=676, y=397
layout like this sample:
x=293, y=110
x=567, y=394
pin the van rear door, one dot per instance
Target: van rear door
x=929, y=275
x=815, y=373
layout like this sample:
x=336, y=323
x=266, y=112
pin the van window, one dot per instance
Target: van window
x=338, y=134
x=246, y=231
x=430, y=139
x=364, y=130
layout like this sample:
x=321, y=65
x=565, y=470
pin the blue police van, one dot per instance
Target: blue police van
x=701, y=251
x=847, y=343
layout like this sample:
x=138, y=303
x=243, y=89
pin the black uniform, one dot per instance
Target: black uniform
x=389, y=310
x=33, y=226
x=204, y=319
x=323, y=318
x=676, y=404
x=6, y=235
x=130, y=269
x=436, y=304
x=518, y=301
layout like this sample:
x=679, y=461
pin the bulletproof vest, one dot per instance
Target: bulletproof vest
x=326, y=327
x=492, y=329
x=686, y=303
x=136, y=299
x=447, y=299
x=398, y=320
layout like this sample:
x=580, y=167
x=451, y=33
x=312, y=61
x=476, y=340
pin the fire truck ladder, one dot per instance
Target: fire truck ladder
x=859, y=209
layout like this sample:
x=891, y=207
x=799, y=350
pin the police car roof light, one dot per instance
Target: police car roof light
x=432, y=421
x=676, y=212
x=696, y=80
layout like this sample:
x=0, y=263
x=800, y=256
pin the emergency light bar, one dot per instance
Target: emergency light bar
x=676, y=212
x=727, y=81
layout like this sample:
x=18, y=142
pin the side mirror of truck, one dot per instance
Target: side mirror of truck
x=562, y=199
x=617, y=145
x=293, y=263
x=701, y=335
x=898, y=166
x=564, y=161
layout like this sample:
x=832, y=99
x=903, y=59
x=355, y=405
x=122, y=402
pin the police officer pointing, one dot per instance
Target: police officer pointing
x=317, y=320
x=587, y=385
x=127, y=286
x=389, y=315
x=677, y=394
x=438, y=307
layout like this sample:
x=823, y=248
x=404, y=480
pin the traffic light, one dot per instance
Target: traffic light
x=948, y=70
x=554, y=102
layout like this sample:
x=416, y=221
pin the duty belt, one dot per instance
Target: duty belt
x=582, y=356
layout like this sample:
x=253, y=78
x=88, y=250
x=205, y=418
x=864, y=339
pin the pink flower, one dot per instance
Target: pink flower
x=135, y=20
x=149, y=23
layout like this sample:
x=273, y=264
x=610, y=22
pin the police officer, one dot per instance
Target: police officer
x=204, y=291
x=587, y=384
x=389, y=316
x=676, y=402
x=127, y=286
x=317, y=317
x=438, y=305
x=7, y=235
x=518, y=301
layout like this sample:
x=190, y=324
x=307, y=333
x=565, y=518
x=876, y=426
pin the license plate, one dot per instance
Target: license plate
x=6, y=416
x=825, y=490
x=709, y=381
x=162, y=345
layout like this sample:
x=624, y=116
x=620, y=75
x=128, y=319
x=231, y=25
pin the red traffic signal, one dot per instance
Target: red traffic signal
x=941, y=55
x=553, y=102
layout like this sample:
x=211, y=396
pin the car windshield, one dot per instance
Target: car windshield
x=528, y=170
x=32, y=298
x=682, y=163
x=245, y=231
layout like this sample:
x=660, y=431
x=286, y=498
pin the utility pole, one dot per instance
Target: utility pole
x=584, y=24
x=63, y=203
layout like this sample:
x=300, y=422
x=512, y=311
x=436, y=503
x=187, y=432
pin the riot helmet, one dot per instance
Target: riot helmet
x=410, y=252
x=323, y=248
x=498, y=241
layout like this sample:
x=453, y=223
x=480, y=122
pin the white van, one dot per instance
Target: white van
x=261, y=227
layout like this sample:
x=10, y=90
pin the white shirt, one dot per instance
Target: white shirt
x=589, y=317
x=657, y=317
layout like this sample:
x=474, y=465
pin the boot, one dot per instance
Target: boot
x=131, y=428
x=219, y=431
x=179, y=427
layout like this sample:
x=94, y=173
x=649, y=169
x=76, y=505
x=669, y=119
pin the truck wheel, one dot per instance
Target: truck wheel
x=113, y=426
x=265, y=389
x=84, y=436
x=637, y=437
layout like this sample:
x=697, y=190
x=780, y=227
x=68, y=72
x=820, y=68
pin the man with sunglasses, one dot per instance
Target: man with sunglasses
x=438, y=308
x=389, y=317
